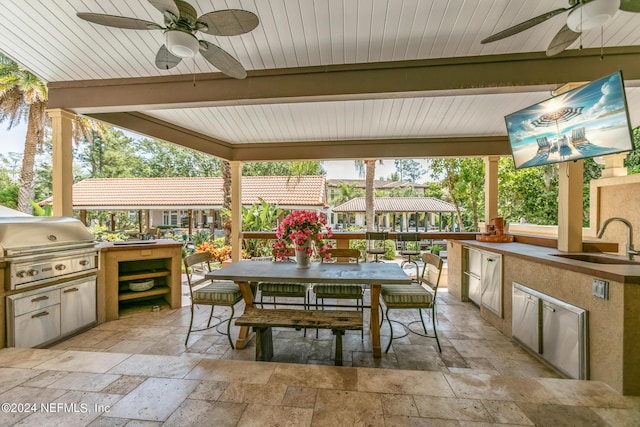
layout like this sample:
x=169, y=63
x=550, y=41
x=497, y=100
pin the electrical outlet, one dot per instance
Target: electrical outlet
x=600, y=288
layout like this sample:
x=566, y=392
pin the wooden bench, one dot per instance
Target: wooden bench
x=263, y=320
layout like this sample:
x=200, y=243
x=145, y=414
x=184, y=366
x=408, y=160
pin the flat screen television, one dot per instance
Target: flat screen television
x=589, y=121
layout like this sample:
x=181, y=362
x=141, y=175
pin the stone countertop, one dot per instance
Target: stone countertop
x=627, y=273
x=141, y=244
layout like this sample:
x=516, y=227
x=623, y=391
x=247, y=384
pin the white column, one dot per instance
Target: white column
x=570, y=206
x=614, y=165
x=236, y=211
x=62, y=174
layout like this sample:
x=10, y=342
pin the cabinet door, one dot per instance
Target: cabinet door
x=491, y=281
x=563, y=338
x=473, y=287
x=525, y=318
x=37, y=327
x=78, y=305
x=474, y=262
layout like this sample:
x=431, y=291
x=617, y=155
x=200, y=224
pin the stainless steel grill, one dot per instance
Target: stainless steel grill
x=41, y=250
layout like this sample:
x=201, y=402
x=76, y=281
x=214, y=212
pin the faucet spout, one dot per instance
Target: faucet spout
x=630, y=250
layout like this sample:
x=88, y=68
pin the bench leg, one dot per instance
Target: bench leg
x=264, y=344
x=338, y=333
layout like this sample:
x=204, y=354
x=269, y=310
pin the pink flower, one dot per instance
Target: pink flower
x=302, y=226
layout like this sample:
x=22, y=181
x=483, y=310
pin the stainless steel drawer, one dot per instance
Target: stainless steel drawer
x=35, y=301
x=36, y=328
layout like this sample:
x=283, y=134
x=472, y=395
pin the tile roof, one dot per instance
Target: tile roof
x=378, y=184
x=397, y=204
x=194, y=193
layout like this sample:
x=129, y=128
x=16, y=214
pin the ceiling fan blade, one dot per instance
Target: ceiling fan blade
x=119, y=21
x=524, y=25
x=222, y=60
x=630, y=5
x=166, y=60
x=166, y=6
x=562, y=40
x=229, y=22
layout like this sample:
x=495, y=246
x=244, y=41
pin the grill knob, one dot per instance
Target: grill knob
x=84, y=262
x=60, y=267
x=32, y=272
x=21, y=273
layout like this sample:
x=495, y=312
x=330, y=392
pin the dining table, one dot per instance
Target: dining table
x=374, y=274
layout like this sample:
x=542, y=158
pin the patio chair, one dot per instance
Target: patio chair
x=415, y=297
x=223, y=293
x=375, y=243
x=337, y=290
x=283, y=289
x=578, y=136
x=409, y=248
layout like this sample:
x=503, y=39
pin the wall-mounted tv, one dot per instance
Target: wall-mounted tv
x=588, y=121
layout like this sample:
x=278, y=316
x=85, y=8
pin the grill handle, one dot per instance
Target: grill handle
x=66, y=291
x=42, y=298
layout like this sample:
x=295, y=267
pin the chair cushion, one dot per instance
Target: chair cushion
x=218, y=293
x=293, y=289
x=337, y=291
x=406, y=296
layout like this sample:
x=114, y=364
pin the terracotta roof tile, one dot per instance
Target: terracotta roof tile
x=141, y=193
x=397, y=204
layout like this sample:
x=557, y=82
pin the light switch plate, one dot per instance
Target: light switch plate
x=600, y=288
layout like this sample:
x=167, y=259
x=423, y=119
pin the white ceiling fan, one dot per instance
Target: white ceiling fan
x=181, y=23
x=583, y=15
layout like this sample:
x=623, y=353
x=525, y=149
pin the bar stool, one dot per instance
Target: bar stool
x=375, y=243
x=410, y=247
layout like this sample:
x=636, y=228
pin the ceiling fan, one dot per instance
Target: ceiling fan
x=181, y=23
x=583, y=15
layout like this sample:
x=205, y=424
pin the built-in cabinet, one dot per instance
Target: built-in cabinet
x=121, y=264
x=483, y=277
x=42, y=316
x=557, y=331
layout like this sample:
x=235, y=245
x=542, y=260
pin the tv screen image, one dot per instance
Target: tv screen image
x=588, y=121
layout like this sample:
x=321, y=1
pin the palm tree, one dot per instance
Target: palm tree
x=368, y=169
x=23, y=96
x=226, y=200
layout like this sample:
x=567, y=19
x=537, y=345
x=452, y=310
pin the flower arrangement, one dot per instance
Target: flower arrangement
x=301, y=228
x=219, y=254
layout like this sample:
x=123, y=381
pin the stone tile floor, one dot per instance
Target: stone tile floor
x=136, y=371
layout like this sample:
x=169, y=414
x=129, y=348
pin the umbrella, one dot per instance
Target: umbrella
x=560, y=115
x=7, y=212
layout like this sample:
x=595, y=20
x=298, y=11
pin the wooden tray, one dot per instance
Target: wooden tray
x=495, y=239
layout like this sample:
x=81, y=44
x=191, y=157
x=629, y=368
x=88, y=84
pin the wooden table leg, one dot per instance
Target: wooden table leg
x=245, y=335
x=374, y=321
x=338, y=356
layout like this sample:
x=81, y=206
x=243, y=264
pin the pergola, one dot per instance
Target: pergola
x=332, y=79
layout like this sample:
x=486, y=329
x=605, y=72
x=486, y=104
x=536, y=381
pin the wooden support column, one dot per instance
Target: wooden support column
x=147, y=220
x=236, y=211
x=570, y=206
x=490, y=188
x=190, y=219
x=212, y=221
x=62, y=174
x=614, y=165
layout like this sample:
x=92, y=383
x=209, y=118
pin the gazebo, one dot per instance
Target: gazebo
x=402, y=211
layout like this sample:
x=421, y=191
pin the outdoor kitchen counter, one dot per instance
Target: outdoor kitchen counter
x=122, y=263
x=613, y=335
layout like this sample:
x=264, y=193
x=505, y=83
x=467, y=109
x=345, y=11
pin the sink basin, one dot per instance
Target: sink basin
x=598, y=258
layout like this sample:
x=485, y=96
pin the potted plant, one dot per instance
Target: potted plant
x=303, y=229
x=435, y=249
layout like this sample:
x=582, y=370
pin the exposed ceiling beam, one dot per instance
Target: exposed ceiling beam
x=435, y=77
x=309, y=150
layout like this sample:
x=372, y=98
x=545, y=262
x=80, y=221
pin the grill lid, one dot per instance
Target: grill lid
x=27, y=235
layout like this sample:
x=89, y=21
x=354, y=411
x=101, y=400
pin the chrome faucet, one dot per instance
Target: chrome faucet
x=630, y=251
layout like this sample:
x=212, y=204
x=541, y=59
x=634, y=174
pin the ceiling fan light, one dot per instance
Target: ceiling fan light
x=592, y=15
x=181, y=44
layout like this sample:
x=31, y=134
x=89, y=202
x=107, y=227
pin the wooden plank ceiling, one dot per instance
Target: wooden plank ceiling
x=326, y=78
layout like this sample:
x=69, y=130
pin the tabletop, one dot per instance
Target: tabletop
x=365, y=273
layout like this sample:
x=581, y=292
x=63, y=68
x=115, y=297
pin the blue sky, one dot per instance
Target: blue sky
x=13, y=141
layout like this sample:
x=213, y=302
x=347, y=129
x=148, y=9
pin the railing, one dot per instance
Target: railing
x=342, y=238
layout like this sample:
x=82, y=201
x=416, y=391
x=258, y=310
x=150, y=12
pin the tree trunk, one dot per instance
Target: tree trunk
x=226, y=203
x=369, y=192
x=450, y=185
x=34, y=127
